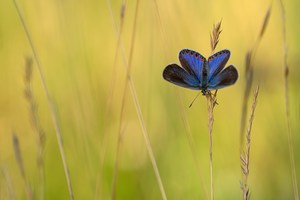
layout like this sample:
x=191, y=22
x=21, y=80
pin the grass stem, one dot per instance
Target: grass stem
x=131, y=85
x=249, y=74
x=54, y=114
x=211, y=102
x=245, y=156
x=287, y=106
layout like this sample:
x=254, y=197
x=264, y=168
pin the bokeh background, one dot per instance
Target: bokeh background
x=84, y=69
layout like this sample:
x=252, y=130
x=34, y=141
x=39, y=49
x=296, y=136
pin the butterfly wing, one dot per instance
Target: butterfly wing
x=192, y=62
x=217, y=62
x=175, y=74
x=225, y=78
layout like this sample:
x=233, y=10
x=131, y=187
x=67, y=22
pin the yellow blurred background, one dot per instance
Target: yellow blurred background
x=84, y=70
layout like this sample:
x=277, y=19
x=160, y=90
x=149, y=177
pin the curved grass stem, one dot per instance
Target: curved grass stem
x=50, y=102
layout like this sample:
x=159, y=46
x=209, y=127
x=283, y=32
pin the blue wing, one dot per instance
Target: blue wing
x=192, y=62
x=225, y=78
x=175, y=74
x=217, y=62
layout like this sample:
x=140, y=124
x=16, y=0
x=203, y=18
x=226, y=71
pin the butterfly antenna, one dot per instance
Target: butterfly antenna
x=194, y=99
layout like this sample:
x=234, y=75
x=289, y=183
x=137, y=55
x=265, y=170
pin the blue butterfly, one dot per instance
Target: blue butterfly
x=197, y=73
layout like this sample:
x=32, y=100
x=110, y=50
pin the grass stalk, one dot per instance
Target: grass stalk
x=245, y=156
x=211, y=102
x=51, y=106
x=36, y=125
x=249, y=74
x=249, y=67
x=111, y=92
x=128, y=76
x=129, y=83
x=287, y=106
x=19, y=159
x=210, y=129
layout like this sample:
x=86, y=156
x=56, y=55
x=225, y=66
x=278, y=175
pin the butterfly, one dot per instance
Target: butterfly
x=197, y=73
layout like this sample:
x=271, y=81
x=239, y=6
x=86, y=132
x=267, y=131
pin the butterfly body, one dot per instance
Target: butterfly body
x=204, y=81
x=199, y=73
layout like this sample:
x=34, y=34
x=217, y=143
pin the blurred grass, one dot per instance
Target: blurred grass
x=76, y=44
